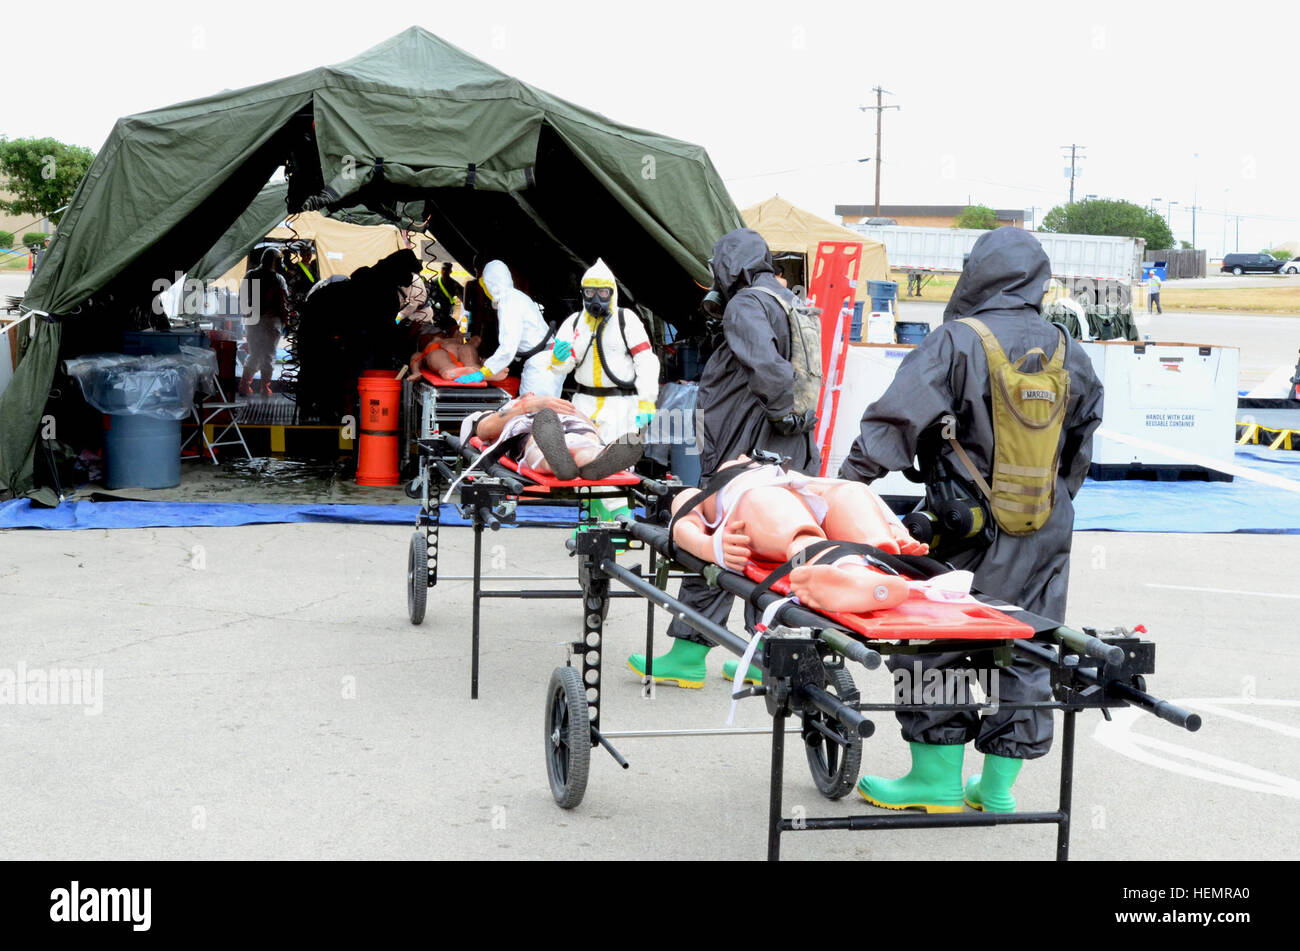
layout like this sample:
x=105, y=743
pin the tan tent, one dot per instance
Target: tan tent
x=788, y=229
x=341, y=248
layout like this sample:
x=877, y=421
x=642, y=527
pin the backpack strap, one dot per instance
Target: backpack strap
x=785, y=305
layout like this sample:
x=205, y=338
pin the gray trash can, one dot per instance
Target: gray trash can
x=141, y=452
x=143, y=399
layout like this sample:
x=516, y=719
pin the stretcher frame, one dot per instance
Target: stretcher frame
x=428, y=407
x=803, y=654
x=488, y=498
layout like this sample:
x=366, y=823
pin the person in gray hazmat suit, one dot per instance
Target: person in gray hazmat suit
x=942, y=403
x=745, y=402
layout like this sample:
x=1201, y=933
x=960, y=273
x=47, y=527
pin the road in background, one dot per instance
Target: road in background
x=1265, y=342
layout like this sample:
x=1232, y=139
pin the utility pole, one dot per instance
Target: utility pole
x=1074, y=159
x=1225, y=220
x=1196, y=184
x=880, y=108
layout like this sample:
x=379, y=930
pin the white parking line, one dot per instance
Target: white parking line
x=1220, y=708
x=1252, y=594
x=1118, y=736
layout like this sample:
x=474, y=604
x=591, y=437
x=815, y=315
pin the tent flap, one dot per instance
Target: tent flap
x=22, y=404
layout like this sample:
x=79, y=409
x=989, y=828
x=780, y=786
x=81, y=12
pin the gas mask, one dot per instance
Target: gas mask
x=714, y=304
x=596, y=300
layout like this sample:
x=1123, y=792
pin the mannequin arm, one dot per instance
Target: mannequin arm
x=691, y=535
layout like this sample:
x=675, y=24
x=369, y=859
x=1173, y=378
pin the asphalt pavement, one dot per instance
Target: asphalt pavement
x=265, y=696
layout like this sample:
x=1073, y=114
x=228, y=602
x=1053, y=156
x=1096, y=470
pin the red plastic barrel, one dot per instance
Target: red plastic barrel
x=377, y=453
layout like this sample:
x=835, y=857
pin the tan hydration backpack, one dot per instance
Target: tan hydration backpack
x=1028, y=413
x=805, y=352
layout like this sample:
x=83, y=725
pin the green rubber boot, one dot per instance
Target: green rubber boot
x=603, y=513
x=683, y=665
x=990, y=791
x=599, y=512
x=933, y=784
x=754, y=676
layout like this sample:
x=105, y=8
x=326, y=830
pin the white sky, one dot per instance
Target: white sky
x=989, y=91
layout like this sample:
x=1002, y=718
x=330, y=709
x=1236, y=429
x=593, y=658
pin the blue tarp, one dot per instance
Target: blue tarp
x=20, y=513
x=1122, y=506
x=1195, y=506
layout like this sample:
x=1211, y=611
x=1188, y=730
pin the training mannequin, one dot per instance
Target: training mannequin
x=451, y=357
x=549, y=435
x=770, y=515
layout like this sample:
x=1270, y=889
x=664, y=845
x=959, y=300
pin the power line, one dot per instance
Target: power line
x=801, y=168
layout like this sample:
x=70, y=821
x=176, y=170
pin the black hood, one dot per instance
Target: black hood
x=739, y=258
x=399, y=268
x=1007, y=270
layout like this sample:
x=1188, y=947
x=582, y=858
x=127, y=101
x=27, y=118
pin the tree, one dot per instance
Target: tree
x=1279, y=254
x=977, y=216
x=43, y=174
x=1104, y=216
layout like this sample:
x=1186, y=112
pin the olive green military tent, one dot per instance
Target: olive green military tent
x=414, y=132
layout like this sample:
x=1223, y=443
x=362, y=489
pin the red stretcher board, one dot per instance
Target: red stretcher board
x=833, y=286
x=510, y=384
x=549, y=482
x=917, y=618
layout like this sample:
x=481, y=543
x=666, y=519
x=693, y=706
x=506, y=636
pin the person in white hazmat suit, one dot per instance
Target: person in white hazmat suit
x=614, y=365
x=523, y=335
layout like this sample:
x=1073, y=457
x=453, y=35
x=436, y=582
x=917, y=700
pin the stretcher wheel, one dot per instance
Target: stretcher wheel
x=417, y=577
x=568, y=737
x=835, y=768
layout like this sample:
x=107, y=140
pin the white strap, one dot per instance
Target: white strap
x=743, y=667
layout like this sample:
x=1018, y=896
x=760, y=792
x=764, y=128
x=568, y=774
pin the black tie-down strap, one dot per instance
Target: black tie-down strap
x=907, y=566
x=712, y=487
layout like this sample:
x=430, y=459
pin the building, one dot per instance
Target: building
x=927, y=216
x=19, y=225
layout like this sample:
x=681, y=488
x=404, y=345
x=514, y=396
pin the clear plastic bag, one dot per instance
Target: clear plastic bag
x=674, y=422
x=161, y=386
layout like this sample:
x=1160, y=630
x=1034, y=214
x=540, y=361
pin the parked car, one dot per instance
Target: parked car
x=1258, y=263
x=1292, y=266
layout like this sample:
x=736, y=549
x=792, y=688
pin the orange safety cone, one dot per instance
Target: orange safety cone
x=377, y=451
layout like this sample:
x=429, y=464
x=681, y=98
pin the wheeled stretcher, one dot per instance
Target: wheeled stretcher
x=803, y=658
x=488, y=494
